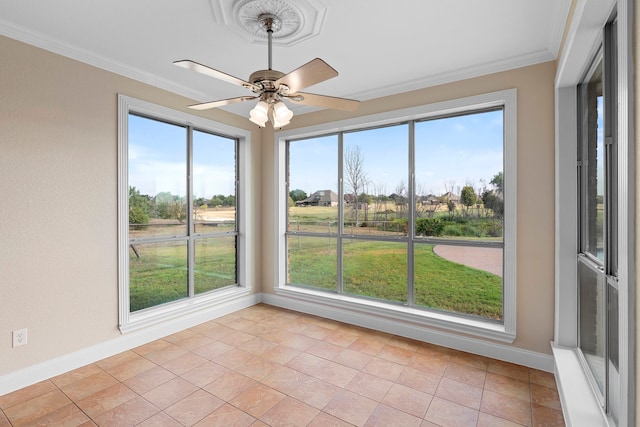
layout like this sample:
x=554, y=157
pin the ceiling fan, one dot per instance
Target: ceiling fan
x=271, y=87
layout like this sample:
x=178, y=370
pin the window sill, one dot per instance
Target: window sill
x=182, y=308
x=407, y=315
x=579, y=405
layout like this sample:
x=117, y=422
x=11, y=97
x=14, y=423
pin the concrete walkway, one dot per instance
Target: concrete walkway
x=487, y=259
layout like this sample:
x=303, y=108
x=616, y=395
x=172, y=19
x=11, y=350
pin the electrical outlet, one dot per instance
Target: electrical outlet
x=19, y=337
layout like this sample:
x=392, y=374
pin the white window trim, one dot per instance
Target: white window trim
x=579, y=404
x=505, y=332
x=190, y=306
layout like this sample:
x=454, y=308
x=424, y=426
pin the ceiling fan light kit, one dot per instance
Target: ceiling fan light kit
x=271, y=87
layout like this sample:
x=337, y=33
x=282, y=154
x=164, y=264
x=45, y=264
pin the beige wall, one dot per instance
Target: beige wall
x=58, y=190
x=535, y=174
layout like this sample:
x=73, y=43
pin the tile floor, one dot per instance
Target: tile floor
x=265, y=366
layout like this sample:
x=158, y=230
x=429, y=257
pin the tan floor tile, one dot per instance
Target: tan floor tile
x=205, y=374
x=26, y=393
x=546, y=379
x=184, y=363
x=130, y=368
x=227, y=416
x=506, y=407
x=214, y=331
x=486, y=420
x=160, y=420
x=120, y=358
x=468, y=359
x=465, y=374
x=386, y=416
x=151, y=347
x=213, y=350
x=194, y=407
x=73, y=376
x=445, y=413
x=395, y=354
x=545, y=396
x=105, y=400
x=237, y=338
x=384, y=369
x=408, y=400
x=230, y=385
x=257, y=368
x=433, y=350
x=289, y=412
x=419, y=380
x=257, y=346
x=181, y=336
x=88, y=386
x=316, y=393
x=325, y=420
x=148, y=380
x=461, y=393
x=325, y=370
x=407, y=343
x=370, y=345
x=257, y=400
x=509, y=370
x=166, y=354
x=367, y=385
x=507, y=386
x=170, y=392
x=281, y=354
x=35, y=408
x=4, y=422
x=324, y=349
x=341, y=338
x=130, y=413
x=285, y=379
x=234, y=358
x=68, y=415
x=316, y=331
x=194, y=342
x=293, y=340
x=547, y=417
x=430, y=363
x=351, y=407
x=352, y=358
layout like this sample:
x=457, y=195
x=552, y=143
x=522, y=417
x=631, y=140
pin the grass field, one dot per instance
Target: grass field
x=372, y=269
x=379, y=270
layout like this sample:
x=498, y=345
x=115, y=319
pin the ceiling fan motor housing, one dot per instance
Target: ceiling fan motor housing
x=266, y=79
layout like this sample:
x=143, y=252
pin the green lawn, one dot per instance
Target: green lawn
x=379, y=270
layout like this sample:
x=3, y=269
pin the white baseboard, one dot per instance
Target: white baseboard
x=531, y=359
x=59, y=365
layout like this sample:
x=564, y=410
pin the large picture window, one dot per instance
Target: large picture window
x=413, y=214
x=179, y=224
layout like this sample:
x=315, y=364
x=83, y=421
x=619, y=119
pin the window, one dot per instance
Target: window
x=414, y=214
x=180, y=232
x=597, y=212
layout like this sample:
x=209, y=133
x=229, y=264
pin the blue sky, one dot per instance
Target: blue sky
x=157, y=160
x=453, y=151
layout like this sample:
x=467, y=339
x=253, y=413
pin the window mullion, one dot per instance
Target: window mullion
x=411, y=217
x=339, y=241
x=189, y=215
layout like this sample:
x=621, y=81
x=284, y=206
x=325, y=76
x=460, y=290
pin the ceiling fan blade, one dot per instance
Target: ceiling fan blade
x=221, y=103
x=314, y=71
x=325, y=101
x=203, y=69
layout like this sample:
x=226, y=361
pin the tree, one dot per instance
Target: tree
x=139, y=207
x=468, y=197
x=355, y=176
x=497, y=181
x=297, y=195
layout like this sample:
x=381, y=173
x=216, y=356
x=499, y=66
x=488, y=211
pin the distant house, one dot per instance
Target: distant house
x=320, y=198
x=450, y=196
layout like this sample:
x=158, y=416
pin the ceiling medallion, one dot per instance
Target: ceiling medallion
x=289, y=18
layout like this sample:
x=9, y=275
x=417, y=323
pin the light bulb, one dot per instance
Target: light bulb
x=258, y=114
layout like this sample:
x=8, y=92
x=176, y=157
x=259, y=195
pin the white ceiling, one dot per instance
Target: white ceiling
x=379, y=47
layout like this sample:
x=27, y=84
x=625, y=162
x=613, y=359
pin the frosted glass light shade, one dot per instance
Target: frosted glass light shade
x=258, y=114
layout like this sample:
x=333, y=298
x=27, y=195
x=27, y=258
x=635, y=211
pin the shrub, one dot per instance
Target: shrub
x=429, y=227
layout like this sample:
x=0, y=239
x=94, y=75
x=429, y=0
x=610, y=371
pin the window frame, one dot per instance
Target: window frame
x=150, y=316
x=505, y=331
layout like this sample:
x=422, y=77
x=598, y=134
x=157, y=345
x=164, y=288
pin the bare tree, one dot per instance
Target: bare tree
x=355, y=176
